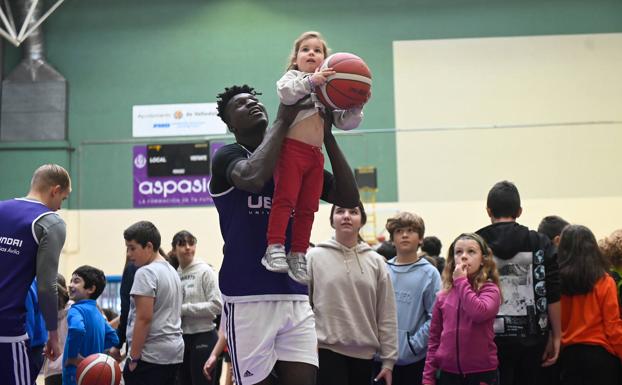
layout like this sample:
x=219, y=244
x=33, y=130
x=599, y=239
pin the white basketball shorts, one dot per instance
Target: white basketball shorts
x=261, y=333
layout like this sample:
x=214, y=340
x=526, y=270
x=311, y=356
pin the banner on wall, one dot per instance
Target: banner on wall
x=181, y=184
x=192, y=119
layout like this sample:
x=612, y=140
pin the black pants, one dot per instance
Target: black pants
x=550, y=375
x=35, y=358
x=411, y=374
x=197, y=350
x=519, y=364
x=589, y=364
x=482, y=378
x=337, y=369
x=147, y=373
x=55, y=379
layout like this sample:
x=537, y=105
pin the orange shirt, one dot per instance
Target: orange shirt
x=593, y=318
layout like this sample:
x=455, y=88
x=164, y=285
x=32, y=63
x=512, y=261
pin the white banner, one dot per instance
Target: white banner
x=176, y=120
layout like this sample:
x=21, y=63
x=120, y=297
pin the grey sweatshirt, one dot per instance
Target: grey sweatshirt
x=202, y=301
x=353, y=301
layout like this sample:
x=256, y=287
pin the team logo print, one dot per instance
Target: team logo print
x=140, y=161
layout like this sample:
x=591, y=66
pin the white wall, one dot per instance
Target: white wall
x=96, y=236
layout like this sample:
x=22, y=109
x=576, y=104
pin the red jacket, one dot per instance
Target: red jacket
x=593, y=318
x=461, y=333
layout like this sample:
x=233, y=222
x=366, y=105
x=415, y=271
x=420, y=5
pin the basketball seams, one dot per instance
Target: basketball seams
x=352, y=77
x=349, y=86
x=361, y=67
x=326, y=99
x=113, y=373
x=97, y=370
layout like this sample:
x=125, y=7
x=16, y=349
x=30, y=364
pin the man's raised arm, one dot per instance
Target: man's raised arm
x=251, y=174
x=344, y=191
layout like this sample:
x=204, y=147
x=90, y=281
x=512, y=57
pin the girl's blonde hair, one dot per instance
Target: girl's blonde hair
x=487, y=272
x=291, y=62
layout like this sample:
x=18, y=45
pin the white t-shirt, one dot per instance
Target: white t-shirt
x=164, y=344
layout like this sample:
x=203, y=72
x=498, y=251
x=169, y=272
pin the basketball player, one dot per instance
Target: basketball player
x=31, y=238
x=268, y=320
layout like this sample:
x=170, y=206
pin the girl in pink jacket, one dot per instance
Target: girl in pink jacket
x=461, y=342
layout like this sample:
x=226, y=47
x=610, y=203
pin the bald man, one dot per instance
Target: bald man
x=31, y=238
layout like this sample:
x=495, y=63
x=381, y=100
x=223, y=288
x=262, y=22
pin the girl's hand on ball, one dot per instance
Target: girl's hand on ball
x=319, y=77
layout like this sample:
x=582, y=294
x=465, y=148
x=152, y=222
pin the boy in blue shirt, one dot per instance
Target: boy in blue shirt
x=415, y=282
x=88, y=331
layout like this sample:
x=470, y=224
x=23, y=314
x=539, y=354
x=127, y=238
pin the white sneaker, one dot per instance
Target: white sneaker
x=274, y=259
x=298, y=267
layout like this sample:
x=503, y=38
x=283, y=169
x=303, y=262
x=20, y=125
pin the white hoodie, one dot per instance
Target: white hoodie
x=353, y=301
x=202, y=301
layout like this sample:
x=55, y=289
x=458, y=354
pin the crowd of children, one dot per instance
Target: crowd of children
x=422, y=328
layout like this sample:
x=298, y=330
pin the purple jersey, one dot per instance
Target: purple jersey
x=243, y=225
x=18, y=252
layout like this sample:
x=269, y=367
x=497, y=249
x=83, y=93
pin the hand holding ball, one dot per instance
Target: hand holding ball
x=349, y=86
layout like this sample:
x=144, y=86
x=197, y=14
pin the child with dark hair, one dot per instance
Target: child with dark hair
x=591, y=324
x=127, y=279
x=352, y=296
x=431, y=246
x=552, y=227
x=386, y=249
x=527, y=327
x=201, y=304
x=88, y=331
x=154, y=323
x=462, y=343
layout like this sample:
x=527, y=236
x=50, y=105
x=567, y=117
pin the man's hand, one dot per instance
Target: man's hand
x=328, y=122
x=115, y=353
x=74, y=361
x=52, y=347
x=287, y=114
x=551, y=352
x=385, y=374
x=209, y=366
x=132, y=365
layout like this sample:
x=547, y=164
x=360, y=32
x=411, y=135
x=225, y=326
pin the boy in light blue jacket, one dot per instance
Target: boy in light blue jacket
x=415, y=282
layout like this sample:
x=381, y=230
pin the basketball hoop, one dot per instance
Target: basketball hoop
x=8, y=29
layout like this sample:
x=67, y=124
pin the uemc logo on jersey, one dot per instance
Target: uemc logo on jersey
x=172, y=187
x=259, y=205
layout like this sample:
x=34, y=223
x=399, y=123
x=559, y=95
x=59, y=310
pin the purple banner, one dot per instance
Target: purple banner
x=170, y=191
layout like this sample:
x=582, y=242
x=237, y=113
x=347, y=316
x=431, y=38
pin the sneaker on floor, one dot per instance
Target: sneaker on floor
x=298, y=267
x=274, y=259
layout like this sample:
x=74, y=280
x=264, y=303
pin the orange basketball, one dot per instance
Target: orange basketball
x=98, y=369
x=350, y=86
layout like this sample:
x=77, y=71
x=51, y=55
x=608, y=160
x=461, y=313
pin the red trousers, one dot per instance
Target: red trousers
x=298, y=183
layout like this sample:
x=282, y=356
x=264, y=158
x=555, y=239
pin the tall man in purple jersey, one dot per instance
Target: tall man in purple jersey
x=268, y=320
x=31, y=238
